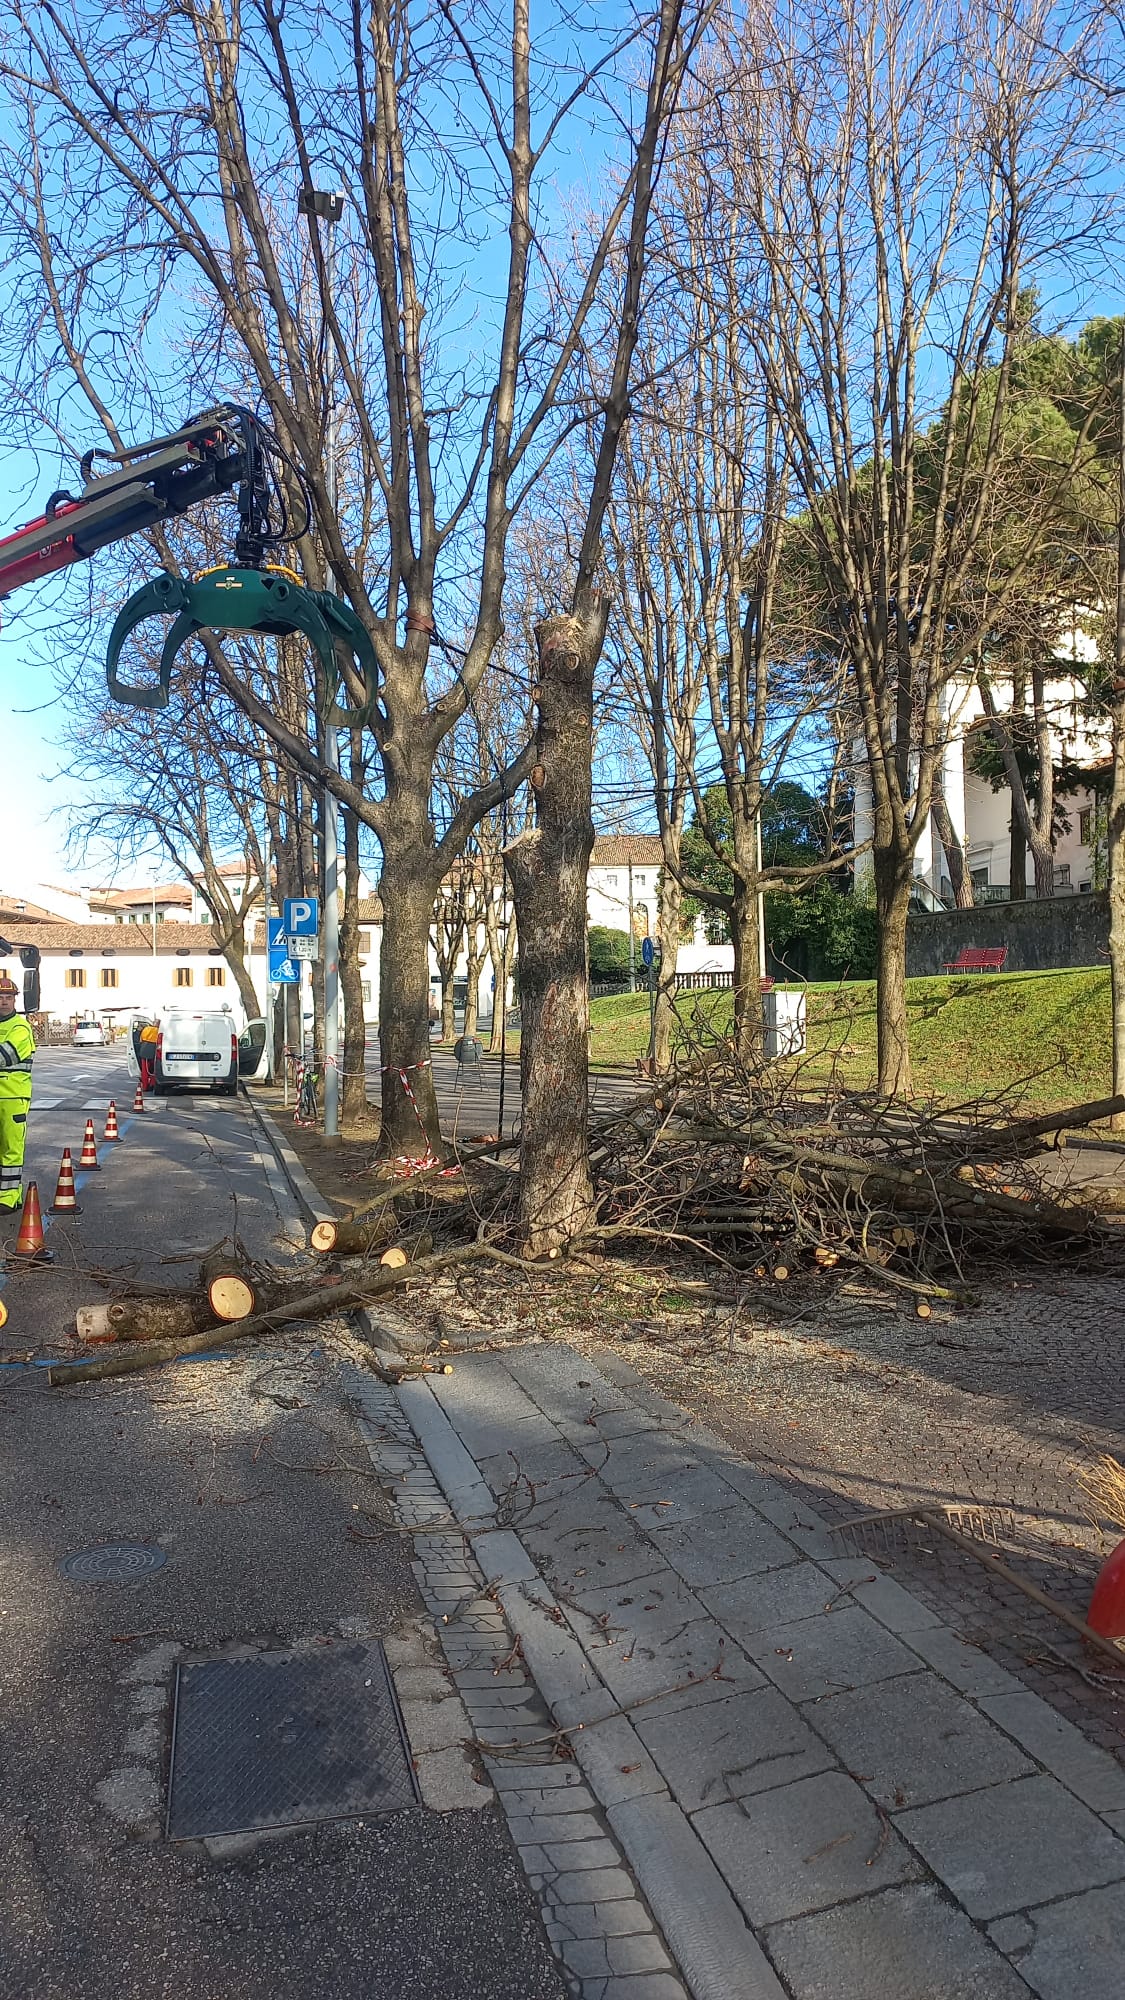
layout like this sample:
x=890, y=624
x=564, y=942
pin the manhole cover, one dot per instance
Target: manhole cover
x=283, y=1739
x=114, y=1562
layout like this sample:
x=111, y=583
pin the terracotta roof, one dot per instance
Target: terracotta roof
x=133, y=899
x=122, y=940
x=17, y=910
x=617, y=850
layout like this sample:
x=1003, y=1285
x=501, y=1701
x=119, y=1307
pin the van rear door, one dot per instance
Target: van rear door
x=196, y=1048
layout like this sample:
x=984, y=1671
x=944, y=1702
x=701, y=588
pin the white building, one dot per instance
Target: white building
x=108, y=972
x=981, y=816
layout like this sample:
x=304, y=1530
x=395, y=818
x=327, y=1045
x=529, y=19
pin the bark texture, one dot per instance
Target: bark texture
x=893, y=880
x=547, y=868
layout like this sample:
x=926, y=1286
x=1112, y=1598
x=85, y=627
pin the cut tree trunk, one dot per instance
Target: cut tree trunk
x=351, y=1237
x=893, y=882
x=410, y=1251
x=960, y=880
x=230, y=1290
x=547, y=869
x=156, y=1319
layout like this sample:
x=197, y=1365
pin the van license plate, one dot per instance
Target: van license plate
x=204, y=1055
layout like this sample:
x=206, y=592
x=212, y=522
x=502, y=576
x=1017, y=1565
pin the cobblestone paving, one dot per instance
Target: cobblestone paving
x=780, y=1773
x=857, y=1409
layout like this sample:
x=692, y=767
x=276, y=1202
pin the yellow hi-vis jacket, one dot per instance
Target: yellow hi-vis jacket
x=17, y=1048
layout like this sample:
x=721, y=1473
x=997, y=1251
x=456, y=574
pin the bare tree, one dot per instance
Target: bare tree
x=903, y=173
x=189, y=134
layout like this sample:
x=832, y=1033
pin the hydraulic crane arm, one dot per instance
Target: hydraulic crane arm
x=152, y=482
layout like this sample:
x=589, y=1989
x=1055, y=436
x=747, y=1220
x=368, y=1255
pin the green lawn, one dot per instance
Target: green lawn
x=969, y=1036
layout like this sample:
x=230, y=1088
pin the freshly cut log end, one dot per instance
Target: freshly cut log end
x=409, y=1251
x=923, y=1309
x=231, y=1297
x=781, y=1272
x=352, y=1236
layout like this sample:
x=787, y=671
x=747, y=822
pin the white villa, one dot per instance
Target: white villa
x=981, y=817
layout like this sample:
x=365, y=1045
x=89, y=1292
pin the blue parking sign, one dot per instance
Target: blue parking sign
x=300, y=916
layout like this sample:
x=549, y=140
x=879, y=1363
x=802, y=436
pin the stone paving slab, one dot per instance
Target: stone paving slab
x=916, y=1740
x=1075, y=1949
x=803, y=1847
x=733, y=1747
x=826, y=1655
x=903, y=1944
x=777, y=1597
x=1014, y=1845
x=722, y=1548
x=1096, y=1777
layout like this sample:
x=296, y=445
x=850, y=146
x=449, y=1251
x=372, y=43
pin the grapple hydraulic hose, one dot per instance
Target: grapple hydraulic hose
x=245, y=600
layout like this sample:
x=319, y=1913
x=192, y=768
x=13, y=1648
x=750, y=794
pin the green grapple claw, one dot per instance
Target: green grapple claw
x=245, y=600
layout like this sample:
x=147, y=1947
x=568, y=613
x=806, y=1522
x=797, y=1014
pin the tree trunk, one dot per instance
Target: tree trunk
x=960, y=879
x=1115, y=829
x=448, y=1013
x=410, y=1127
x=353, y=1092
x=665, y=1019
x=893, y=882
x=500, y=955
x=1017, y=865
x=547, y=868
x=473, y=967
x=746, y=938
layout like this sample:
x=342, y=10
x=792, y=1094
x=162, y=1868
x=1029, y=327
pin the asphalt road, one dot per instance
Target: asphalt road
x=247, y=1474
x=469, y=1097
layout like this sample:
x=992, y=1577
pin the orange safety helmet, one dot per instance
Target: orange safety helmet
x=8, y=985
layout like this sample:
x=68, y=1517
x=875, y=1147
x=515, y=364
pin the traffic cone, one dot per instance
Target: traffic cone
x=29, y=1246
x=111, y=1131
x=139, y=1099
x=65, y=1202
x=88, y=1159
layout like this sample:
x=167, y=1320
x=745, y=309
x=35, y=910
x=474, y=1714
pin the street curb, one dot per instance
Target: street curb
x=305, y=1193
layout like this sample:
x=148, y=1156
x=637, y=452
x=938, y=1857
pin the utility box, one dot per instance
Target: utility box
x=785, y=1024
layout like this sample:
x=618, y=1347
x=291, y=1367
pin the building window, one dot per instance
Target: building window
x=1086, y=825
x=216, y=975
x=109, y=975
x=365, y=944
x=611, y=881
x=1062, y=875
x=75, y=975
x=979, y=877
x=182, y=976
x=365, y=989
x=639, y=880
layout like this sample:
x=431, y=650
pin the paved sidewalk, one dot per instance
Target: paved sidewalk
x=788, y=1776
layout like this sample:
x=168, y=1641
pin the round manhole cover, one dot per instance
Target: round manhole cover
x=114, y=1562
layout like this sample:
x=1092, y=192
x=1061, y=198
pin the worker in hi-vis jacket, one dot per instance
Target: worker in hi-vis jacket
x=17, y=1050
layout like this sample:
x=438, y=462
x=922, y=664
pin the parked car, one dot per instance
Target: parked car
x=88, y=1035
x=194, y=1048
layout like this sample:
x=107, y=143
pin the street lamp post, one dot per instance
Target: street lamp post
x=320, y=206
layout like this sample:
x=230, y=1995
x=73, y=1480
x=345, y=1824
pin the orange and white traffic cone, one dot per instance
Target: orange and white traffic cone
x=30, y=1245
x=88, y=1159
x=111, y=1131
x=65, y=1202
x=139, y=1099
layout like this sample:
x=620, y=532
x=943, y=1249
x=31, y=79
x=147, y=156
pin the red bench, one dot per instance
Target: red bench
x=971, y=958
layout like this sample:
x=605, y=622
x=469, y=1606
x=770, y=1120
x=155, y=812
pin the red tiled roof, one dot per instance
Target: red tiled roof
x=135, y=899
x=617, y=850
x=118, y=939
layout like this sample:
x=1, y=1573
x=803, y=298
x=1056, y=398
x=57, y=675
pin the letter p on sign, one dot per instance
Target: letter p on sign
x=301, y=916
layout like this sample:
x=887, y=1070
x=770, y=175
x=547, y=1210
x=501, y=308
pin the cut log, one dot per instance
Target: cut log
x=230, y=1290
x=352, y=1236
x=312, y=1305
x=155, y=1319
x=410, y=1251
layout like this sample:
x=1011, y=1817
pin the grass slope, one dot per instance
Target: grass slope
x=969, y=1037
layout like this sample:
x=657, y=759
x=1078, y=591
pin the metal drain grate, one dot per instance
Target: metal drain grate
x=114, y=1562
x=283, y=1739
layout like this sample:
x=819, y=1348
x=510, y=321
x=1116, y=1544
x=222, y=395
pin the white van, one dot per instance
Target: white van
x=194, y=1048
